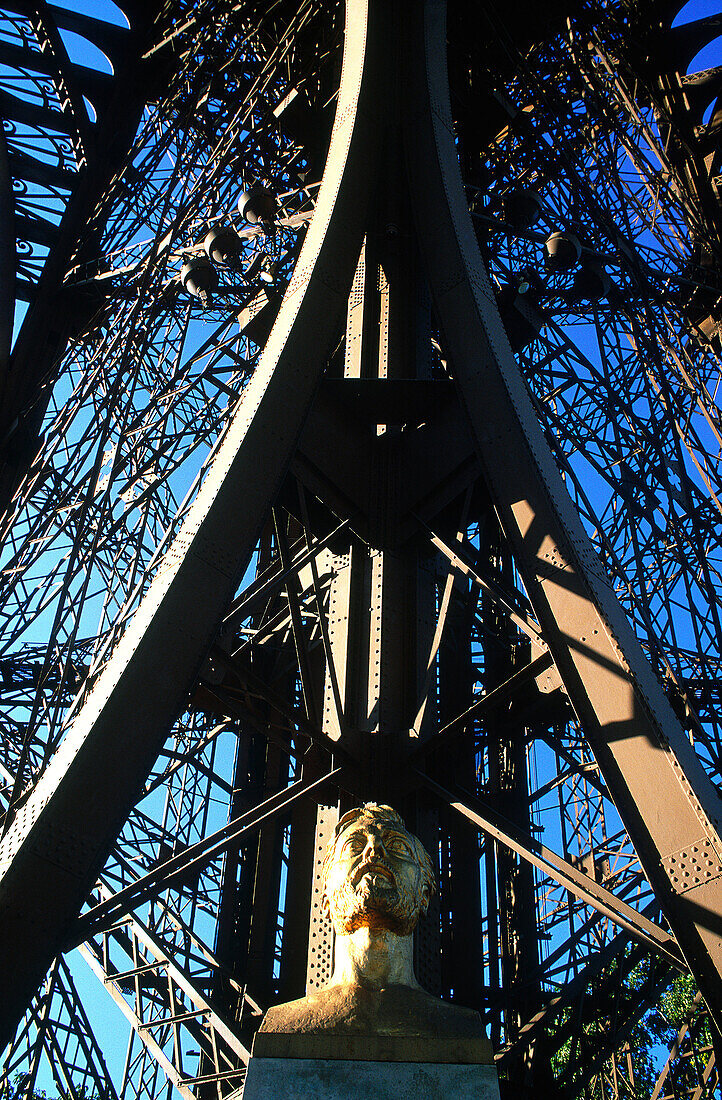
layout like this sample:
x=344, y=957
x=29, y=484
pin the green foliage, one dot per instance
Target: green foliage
x=675, y=1006
x=636, y=1072
x=18, y=1091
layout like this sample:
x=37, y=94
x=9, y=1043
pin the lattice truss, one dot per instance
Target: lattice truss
x=189, y=928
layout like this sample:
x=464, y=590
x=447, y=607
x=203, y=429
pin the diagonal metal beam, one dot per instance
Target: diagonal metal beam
x=676, y=1044
x=530, y=1033
x=255, y=683
x=323, y=624
x=486, y=818
x=605, y=1015
x=667, y=802
x=459, y=561
x=202, y=1019
x=440, y=623
x=61, y=839
x=494, y=698
x=70, y=1043
x=294, y=605
x=274, y=576
x=194, y=857
x=568, y=758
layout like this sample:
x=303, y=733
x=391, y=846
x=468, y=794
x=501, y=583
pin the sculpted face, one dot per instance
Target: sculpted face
x=376, y=873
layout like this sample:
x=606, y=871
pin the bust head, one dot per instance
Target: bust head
x=376, y=874
x=378, y=879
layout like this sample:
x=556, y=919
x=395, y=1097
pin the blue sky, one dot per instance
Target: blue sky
x=109, y=1024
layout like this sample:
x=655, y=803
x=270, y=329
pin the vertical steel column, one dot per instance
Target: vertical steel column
x=461, y=939
x=509, y=793
x=381, y=597
x=339, y=681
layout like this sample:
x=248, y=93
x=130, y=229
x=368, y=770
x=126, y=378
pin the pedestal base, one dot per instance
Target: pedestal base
x=320, y=1079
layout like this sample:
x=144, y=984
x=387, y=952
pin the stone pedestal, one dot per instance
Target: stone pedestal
x=344, y=1043
x=335, y=1079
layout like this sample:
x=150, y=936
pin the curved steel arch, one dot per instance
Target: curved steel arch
x=7, y=257
x=88, y=789
x=641, y=748
x=428, y=226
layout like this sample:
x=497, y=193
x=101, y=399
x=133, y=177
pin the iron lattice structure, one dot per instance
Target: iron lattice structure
x=370, y=617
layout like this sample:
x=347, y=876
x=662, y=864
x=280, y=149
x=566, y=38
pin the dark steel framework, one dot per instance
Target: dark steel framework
x=403, y=509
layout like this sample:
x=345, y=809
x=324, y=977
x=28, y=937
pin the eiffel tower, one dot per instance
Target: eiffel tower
x=359, y=440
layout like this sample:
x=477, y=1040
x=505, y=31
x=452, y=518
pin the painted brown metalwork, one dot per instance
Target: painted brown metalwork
x=436, y=609
x=203, y=567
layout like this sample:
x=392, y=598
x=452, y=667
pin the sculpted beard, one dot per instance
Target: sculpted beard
x=391, y=906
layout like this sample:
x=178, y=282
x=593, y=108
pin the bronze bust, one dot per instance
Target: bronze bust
x=378, y=881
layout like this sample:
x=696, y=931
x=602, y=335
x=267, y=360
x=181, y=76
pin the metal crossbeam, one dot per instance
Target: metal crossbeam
x=541, y=857
x=193, y=858
x=305, y=570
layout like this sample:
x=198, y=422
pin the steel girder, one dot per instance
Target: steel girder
x=538, y=613
x=643, y=753
x=95, y=777
x=38, y=249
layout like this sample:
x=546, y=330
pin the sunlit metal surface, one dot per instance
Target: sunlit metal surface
x=118, y=394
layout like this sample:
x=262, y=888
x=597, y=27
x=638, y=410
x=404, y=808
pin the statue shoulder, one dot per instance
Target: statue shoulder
x=322, y=1010
x=398, y=1023
x=398, y=1009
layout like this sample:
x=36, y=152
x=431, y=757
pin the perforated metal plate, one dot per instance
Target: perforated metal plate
x=320, y=939
x=692, y=866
